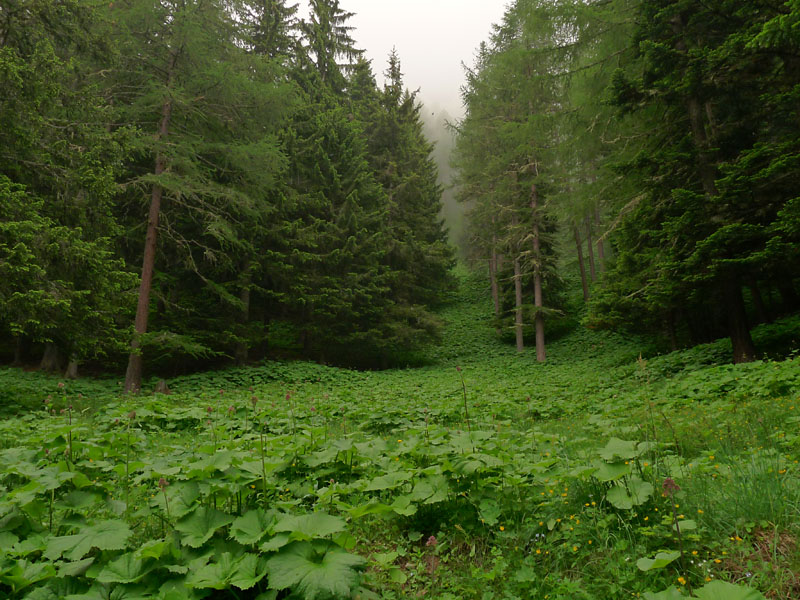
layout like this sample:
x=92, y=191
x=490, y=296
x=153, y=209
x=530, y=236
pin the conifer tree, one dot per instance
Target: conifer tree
x=186, y=90
x=57, y=168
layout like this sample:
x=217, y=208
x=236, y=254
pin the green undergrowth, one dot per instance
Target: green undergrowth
x=603, y=474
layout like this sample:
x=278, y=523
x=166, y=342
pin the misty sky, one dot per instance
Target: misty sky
x=432, y=37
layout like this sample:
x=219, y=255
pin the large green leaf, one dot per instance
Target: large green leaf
x=661, y=560
x=75, y=569
x=24, y=573
x=636, y=493
x=126, y=569
x=106, y=535
x=199, y=526
x=243, y=572
x=721, y=590
x=618, y=449
x=183, y=498
x=251, y=527
x=388, y=481
x=612, y=471
x=310, y=526
x=42, y=593
x=315, y=570
x=250, y=571
x=668, y=594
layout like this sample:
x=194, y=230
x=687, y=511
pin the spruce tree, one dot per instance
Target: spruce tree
x=187, y=90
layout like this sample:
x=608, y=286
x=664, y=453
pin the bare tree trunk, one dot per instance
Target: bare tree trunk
x=495, y=287
x=518, y=304
x=494, y=269
x=133, y=375
x=743, y=348
x=538, y=300
x=72, y=368
x=242, y=349
x=581, y=264
x=671, y=330
x=706, y=168
x=601, y=250
x=51, y=359
x=590, y=244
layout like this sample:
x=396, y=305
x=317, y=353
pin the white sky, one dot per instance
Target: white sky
x=432, y=37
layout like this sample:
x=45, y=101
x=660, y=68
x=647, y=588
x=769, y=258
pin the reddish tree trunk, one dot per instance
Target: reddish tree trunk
x=743, y=348
x=538, y=300
x=133, y=375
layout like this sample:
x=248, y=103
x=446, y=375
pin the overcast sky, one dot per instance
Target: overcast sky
x=432, y=37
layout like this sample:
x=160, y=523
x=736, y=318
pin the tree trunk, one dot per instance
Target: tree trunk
x=538, y=300
x=494, y=269
x=518, y=305
x=706, y=161
x=601, y=250
x=581, y=264
x=242, y=349
x=72, y=368
x=590, y=254
x=743, y=348
x=671, y=330
x=495, y=287
x=51, y=359
x=133, y=375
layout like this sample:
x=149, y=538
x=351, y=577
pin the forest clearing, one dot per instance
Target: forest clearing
x=275, y=325
x=597, y=475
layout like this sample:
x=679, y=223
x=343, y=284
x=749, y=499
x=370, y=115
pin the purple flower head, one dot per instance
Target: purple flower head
x=432, y=541
x=670, y=487
x=61, y=385
x=162, y=483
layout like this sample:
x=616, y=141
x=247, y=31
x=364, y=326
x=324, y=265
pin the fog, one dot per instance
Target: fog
x=432, y=38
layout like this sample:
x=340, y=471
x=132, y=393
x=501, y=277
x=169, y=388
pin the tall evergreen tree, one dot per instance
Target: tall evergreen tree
x=57, y=166
x=186, y=88
x=713, y=167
